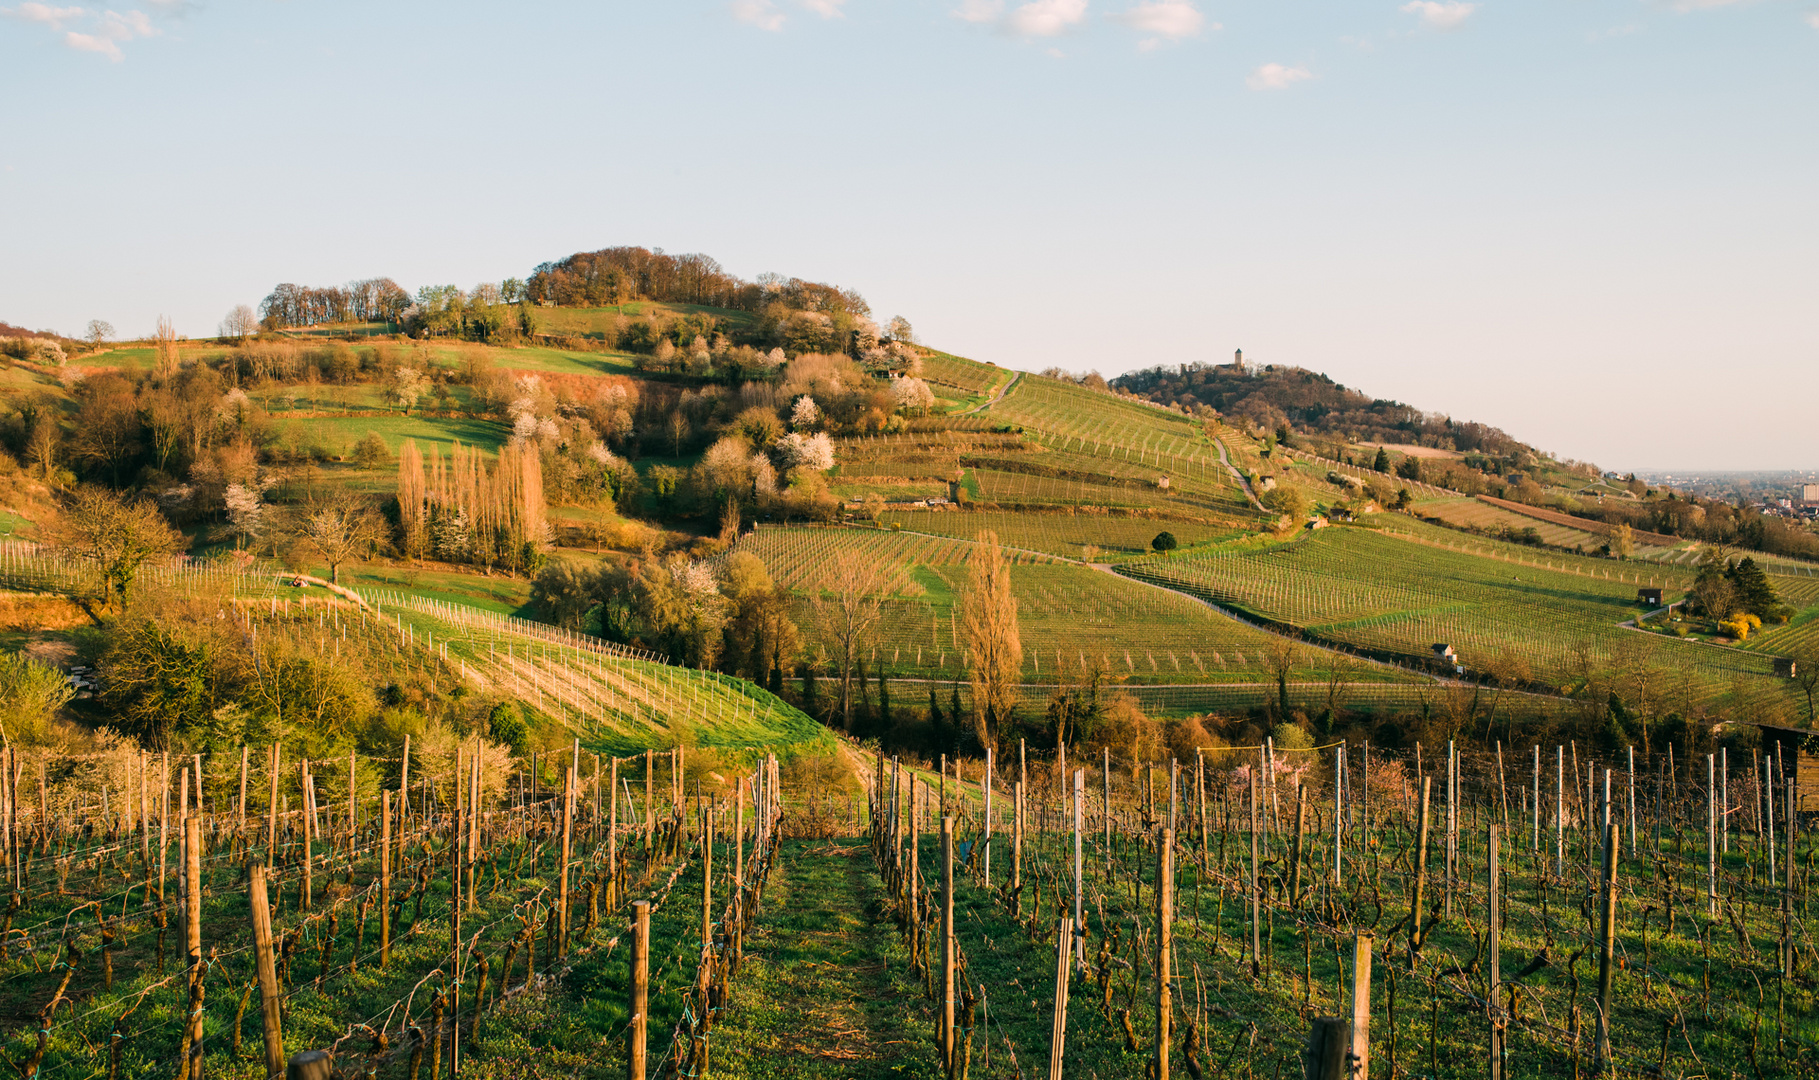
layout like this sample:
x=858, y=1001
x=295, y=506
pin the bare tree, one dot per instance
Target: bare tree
x=1280, y=658
x=848, y=609
x=240, y=323
x=994, y=658
x=166, y=342
x=99, y=331
x=338, y=526
x=118, y=535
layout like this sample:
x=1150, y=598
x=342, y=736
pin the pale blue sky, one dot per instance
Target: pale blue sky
x=1593, y=222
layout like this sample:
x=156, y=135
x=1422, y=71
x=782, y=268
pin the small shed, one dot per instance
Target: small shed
x=1785, y=666
x=1445, y=651
x=1794, y=753
x=1650, y=595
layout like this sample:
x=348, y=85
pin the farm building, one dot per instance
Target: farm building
x=1650, y=596
x=1797, y=752
x=1445, y=652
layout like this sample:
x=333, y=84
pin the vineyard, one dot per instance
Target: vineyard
x=1071, y=533
x=430, y=912
x=1072, y=619
x=1398, y=594
x=1252, y=910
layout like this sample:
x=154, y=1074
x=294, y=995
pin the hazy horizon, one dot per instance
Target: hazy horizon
x=1587, y=223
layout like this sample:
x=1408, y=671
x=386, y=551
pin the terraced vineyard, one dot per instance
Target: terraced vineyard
x=1373, y=590
x=1067, y=533
x=1071, y=618
x=962, y=374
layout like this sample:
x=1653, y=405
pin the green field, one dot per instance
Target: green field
x=1400, y=593
x=1068, y=533
x=1071, y=619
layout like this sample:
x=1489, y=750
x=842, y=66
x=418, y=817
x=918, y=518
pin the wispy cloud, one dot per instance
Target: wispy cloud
x=1171, y=19
x=1037, y=18
x=760, y=13
x=827, y=9
x=100, y=32
x=53, y=17
x=1440, y=14
x=1812, y=19
x=1277, y=77
x=979, y=11
x=1045, y=18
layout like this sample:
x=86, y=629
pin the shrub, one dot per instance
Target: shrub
x=370, y=452
x=1165, y=542
x=506, y=725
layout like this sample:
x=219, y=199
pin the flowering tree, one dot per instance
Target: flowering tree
x=910, y=392
x=807, y=453
x=805, y=413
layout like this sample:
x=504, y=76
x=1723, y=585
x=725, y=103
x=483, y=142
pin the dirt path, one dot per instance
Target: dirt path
x=995, y=398
x=823, y=994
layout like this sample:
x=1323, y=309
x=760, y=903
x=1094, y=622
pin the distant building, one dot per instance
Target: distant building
x=1650, y=596
x=1809, y=493
x=1785, y=667
x=1445, y=651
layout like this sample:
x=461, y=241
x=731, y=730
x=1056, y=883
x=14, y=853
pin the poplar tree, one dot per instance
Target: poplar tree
x=994, y=657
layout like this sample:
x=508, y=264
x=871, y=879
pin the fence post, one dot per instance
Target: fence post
x=1360, y=1061
x=1414, y=930
x=1499, y=1046
x=568, y=837
x=270, y=996
x=385, y=879
x=1165, y=910
x=1607, y=939
x=946, y=1033
x=1057, y=1039
x=641, y=985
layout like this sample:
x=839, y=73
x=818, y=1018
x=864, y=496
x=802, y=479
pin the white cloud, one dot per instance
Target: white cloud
x=827, y=9
x=1440, y=14
x=53, y=17
x=1172, y=19
x=1037, y=18
x=1276, y=77
x=100, y=33
x=1045, y=18
x=1812, y=20
x=979, y=11
x=91, y=43
x=760, y=13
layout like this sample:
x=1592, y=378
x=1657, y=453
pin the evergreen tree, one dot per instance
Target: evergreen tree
x=1754, y=590
x=1382, y=464
x=884, y=701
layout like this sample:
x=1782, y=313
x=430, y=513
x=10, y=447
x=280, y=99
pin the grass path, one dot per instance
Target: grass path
x=823, y=993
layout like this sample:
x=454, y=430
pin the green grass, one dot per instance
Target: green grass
x=338, y=434
x=1071, y=618
x=1398, y=594
x=1065, y=534
x=825, y=990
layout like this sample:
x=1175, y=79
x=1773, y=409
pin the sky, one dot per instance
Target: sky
x=1590, y=222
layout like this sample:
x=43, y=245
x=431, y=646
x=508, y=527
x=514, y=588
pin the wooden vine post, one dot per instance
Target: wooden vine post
x=1414, y=929
x=1165, y=913
x=385, y=879
x=1607, y=942
x=271, y=998
x=1359, y=1061
x=945, y=1034
x=1499, y=1034
x=568, y=839
x=641, y=985
x=190, y=1065
x=1057, y=1040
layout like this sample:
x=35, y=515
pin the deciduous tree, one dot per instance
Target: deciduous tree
x=847, y=610
x=994, y=644
x=118, y=535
